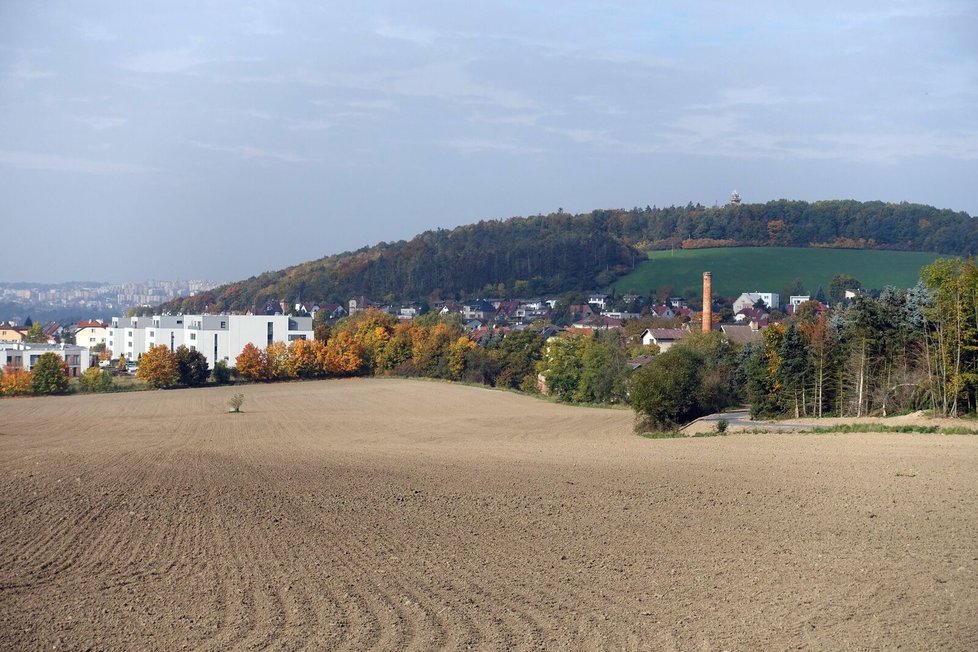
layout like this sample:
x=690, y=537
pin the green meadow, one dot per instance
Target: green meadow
x=769, y=269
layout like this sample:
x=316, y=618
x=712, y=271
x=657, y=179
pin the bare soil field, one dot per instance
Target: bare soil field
x=408, y=515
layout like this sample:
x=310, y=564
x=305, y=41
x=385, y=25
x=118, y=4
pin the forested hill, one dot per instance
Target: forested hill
x=555, y=253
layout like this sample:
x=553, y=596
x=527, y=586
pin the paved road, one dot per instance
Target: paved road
x=741, y=419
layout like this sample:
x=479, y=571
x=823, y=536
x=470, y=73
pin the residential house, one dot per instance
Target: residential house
x=664, y=338
x=481, y=310
x=599, y=300
x=742, y=333
x=598, y=323
x=10, y=332
x=359, y=304
x=579, y=311
x=333, y=310
x=772, y=300
x=663, y=311
x=617, y=314
x=91, y=332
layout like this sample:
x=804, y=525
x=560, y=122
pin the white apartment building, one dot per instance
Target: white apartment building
x=218, y=337
x=127, y=336
x=167, y=330
x=25, y=356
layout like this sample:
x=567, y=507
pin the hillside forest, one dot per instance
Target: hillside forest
x=560, y=252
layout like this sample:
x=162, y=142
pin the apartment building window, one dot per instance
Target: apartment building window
x=193, y=336
x=271, y=331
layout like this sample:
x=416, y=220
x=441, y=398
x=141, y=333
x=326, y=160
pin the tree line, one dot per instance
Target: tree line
x=560, y=252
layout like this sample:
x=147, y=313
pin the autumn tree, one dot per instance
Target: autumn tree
x=49, y=375
x=341, y=356
x=15, y=381
x=192, y=366
x=251, y=363
x=302, y=358
x=277, y=360
x=159, y=367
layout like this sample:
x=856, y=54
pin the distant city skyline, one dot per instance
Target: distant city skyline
x=205, y=140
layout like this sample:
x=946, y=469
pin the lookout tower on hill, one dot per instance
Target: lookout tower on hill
x=735, y=198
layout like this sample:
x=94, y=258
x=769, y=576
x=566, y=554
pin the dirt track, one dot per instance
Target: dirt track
x=410, y=515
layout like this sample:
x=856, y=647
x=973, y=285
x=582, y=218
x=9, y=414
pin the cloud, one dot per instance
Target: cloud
x=310, y=125
x=250, y=153
x=170, y=62
x=101, y=123
x=23, y=160
x=416, y=35
x=93, y=31
x=24, y=71
x=472, y=145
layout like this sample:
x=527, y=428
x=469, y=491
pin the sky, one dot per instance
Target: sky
x=218, y=140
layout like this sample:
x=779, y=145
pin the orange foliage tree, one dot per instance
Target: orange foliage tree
x=342, y=355
x=16, y=382
x=251, y=363
x=302, y=358
x=159, y=367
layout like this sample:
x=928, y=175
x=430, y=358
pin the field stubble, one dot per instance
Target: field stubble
x=411, y=515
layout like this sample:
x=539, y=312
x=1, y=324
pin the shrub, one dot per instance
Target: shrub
x=96, y=380
x=234, y=403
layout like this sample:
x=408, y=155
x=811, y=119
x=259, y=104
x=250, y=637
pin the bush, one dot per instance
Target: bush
x=96, y=380
x=234, y=403
x=722, y=426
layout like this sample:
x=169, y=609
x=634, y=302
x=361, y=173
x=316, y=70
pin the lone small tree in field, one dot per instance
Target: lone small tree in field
x=234, y=403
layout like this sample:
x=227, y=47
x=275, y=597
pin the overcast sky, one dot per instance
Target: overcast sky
x=223, y=139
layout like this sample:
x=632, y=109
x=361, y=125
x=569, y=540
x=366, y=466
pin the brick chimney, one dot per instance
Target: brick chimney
x=707, y=302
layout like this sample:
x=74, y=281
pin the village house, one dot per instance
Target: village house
x=664, y=338
x=10, y=332
x=91, y=333
x=772, y=300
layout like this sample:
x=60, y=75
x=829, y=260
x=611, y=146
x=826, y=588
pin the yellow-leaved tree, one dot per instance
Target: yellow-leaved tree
x=159, y=367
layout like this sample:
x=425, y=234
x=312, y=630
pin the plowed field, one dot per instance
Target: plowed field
x=388, y=514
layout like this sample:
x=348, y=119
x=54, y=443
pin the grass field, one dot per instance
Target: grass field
x=769, y=269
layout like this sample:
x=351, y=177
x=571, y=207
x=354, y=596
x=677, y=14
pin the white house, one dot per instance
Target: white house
x=25, y=356
x=796, y=300
x=90, y=333
x=664, y=338
x=747, y=300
